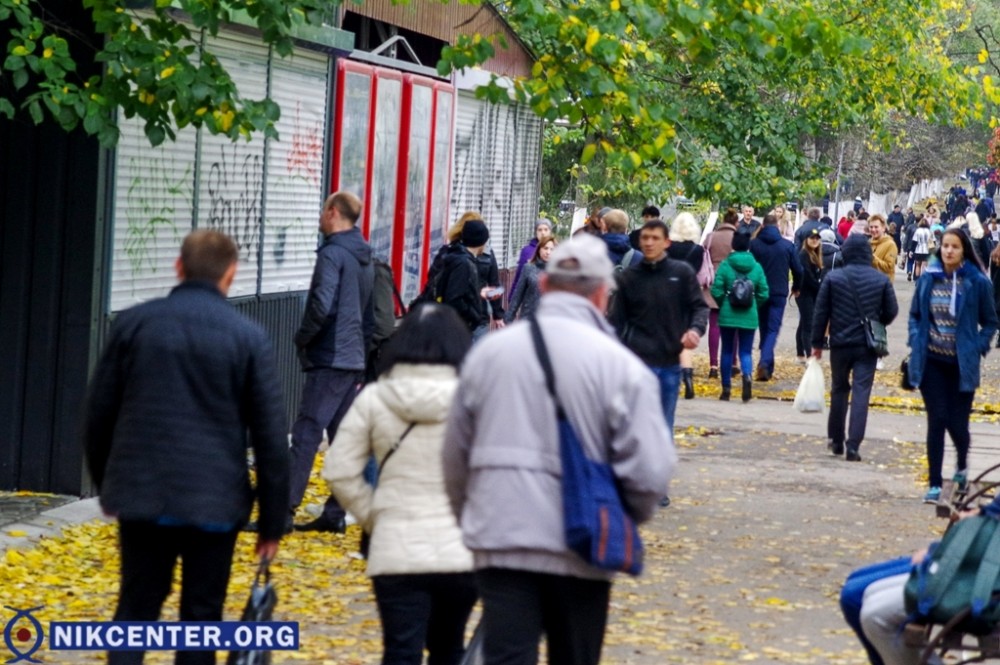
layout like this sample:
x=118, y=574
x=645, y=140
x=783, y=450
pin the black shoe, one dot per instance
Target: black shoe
x=836, y=448
x=762, y=374
x=688, y=375
x=747, y=389
x=664, y=502
x=325, y=524
x=724, y=395
x=713, y=373
x=852, y=455
x=254, y=527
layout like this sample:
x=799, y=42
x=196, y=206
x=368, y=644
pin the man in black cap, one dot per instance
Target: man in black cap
x=460, y=287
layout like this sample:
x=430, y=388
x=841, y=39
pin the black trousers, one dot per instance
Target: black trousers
x=852, y=370
x=947, y=411
x=519, y=606
x=803, y=334
x=149, y=553
x=424, y=610
x=326, y=397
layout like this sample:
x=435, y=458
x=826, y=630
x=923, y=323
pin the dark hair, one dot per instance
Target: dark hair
x=731, y=217
x=655, y=224
x=770, y=219
x=537, y=254
x=431, y=334
x=741, y=241
x=650, y=210
x=969, y=252
x=207, y=255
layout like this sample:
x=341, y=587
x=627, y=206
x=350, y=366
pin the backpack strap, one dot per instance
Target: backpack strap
x=949, y=562
x=626, y=259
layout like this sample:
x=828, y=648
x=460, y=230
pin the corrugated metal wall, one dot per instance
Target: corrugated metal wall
x=48, y=237
x=280, y=316
x=48, y=199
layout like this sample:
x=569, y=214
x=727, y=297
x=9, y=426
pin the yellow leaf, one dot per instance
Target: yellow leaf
x=718, y=186
x=984, y=55
x=17, y=533
x=615, y=5
x=589, y=151
x=167, y=72
x=593, y=35
x=47, y=53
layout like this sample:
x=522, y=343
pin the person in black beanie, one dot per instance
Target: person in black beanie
x=460, y=285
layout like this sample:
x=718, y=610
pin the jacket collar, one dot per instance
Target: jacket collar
x=197, y=285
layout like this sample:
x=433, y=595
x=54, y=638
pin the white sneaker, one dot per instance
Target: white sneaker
x=879, y=365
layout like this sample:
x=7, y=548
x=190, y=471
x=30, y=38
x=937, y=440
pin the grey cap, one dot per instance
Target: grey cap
x=543, y=222
x=582, y=257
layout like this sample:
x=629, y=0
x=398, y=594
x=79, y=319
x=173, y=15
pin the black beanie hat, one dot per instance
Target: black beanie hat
x=475, y=233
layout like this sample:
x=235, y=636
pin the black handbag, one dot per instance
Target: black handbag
x=259, y=607
x=904, y=379
x=876, y=336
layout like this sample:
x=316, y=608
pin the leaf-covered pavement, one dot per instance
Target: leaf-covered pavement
x=745, y=565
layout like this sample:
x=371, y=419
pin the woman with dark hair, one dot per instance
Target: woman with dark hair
x=811, y=258
x=952, y=323
x=421, y=572
x=527, y=294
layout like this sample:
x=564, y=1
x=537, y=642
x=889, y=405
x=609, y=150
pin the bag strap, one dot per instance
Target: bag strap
x=857, y=303
x=395, y=447
x=542, y=352
x=263, y=570
x=397, y=295
x=986, y=576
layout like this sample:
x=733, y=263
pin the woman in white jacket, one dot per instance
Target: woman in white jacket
x=420, y=570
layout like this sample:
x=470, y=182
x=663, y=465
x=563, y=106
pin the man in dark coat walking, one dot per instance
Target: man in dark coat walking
x=840, y=295
x=184, y=386
x=336, y=330
x=777, y=257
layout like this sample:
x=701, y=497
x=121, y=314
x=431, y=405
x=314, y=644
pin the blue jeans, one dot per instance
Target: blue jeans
x=769, y=316
x=670, y=386
x=744, y=340
x=853, y=593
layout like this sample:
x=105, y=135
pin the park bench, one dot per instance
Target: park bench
x=948, y=643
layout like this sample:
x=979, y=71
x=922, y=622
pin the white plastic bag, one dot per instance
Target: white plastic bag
x=811, y=395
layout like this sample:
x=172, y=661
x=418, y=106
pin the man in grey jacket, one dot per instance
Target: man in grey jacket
x=336, y=329
x=502, y=465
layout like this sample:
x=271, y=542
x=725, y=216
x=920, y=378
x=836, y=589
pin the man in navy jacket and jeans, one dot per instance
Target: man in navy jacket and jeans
x=777, y=257
x=185, y=384
x=336, y=329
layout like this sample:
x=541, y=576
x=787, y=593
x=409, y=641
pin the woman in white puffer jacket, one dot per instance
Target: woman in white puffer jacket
x=420, y=570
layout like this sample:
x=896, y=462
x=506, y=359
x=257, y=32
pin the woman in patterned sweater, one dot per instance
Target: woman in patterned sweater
x=952, y=324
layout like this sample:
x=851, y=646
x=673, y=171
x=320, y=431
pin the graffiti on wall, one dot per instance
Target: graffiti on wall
x=156, y=192
x=234, y=185
x=303, y=166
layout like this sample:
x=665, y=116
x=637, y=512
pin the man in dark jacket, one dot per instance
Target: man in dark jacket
x=777, y=257
x=659, y=311
x=332, y=340
x=896, y=217
x=620, y=250
x=843, y=291
x=812, y=222
x=185, y=384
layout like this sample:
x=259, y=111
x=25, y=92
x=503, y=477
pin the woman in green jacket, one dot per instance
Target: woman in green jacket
x=738, y=310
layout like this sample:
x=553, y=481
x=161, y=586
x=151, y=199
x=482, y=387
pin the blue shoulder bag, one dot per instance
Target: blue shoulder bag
x=598, y=527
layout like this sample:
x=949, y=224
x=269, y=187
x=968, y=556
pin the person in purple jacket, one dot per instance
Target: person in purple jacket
x=543, y=229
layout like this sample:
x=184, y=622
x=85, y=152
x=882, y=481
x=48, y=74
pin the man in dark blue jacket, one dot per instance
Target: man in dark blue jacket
x=852, y=363
x=777, y=257
x=337, y=326
x=184, y=386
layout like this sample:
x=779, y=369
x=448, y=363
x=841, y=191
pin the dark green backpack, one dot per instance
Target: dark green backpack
x=961, y=572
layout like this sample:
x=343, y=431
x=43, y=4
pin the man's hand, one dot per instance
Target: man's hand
x=817, y=354
x=690, y=339
x=267, y=549
x=918, y=556
x=498, y=323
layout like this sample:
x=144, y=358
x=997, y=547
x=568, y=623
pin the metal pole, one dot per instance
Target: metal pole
x=840, y=169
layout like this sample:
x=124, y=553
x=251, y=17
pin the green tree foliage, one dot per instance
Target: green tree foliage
x=731, y=99
x=154, y=66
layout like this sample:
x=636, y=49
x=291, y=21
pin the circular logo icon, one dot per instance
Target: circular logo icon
x=16, y=640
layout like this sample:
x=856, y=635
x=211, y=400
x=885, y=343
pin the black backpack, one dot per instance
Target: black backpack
x=387, y=302
x=741, y=292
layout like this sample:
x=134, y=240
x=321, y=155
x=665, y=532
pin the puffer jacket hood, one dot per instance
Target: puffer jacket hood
x=354, y=243
x=618, y=247
x=742, y=262
x=857, y=250
x=418, y=393
x=769, y=234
